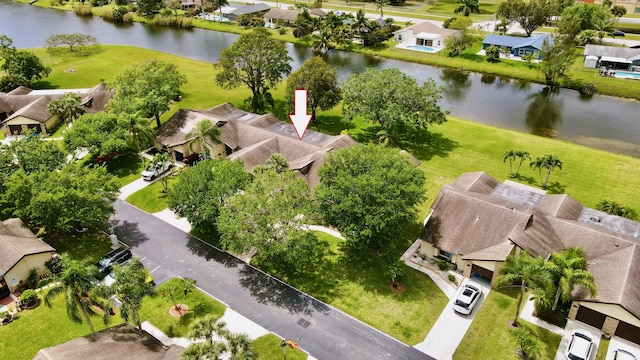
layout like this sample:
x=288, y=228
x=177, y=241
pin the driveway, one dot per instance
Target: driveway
x=568, y=330
x=325, y=332
x=449, y=329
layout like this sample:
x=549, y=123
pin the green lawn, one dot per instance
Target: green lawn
x=156, y=309
x=126, y=168
x=359, y=287
x=151, y=198
x=42, y=327
x=602, y=349
x=268, y=348
x=58, y=130
x=81, y=246
x=489, y=336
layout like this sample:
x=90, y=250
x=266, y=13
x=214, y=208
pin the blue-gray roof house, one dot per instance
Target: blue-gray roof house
x=517, y=46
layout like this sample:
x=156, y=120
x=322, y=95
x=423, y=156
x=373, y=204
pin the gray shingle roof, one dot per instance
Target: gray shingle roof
x=16, y=242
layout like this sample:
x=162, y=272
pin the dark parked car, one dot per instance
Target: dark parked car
x=617, y=33
x=115, y=256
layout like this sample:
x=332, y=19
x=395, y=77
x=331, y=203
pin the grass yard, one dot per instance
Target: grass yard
x=151, y=198
x=489, y=336
x=126, y=168
x=602, y=349
x=156, y=309
x=268, y=348
x=42, y=327
x=81, y=246
x=358, y=287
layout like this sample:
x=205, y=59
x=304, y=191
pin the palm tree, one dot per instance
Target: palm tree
x=618, y=11
x=322, y=40
x=548, y=162
x=68, y=107
x=524, y=270
x=141, y=135
x=199, y=351
x=205, y=128
x=526, y=343
x=511, y=156
x=380, y=4
x=159, y=162
x=131, y=287
x=467, y=7
x=361, y=24
x=602, y=28
x=613, y=208
x=205, y=327
x=219, y=4
x=522, y=155
x=239, y=347
x=76, y=280
x=569, y=269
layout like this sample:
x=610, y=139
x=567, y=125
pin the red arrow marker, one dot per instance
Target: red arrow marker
x=300, y=119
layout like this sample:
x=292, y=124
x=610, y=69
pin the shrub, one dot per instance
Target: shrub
x=82, y=10
x=99, y=2
x=122, y=2
x=588, y=89
x=166, y=12
x=443, y=265
x=256, y=21
x=179, y=21
x=493, y=54
x=29, y=297
x=55, y=2
x=32, y=278
x=54, y=264
x=282, y=31
x=452, y=278
x=117, y=15
x=127, y=18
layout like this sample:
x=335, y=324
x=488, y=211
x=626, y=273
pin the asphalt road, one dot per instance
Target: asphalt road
x=326, y=333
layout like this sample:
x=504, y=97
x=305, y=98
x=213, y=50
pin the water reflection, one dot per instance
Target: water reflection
x=456, y=84
x=487, y=79
x=544, y=113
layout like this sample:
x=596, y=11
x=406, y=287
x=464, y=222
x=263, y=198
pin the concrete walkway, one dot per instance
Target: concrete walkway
x=447, y=288
x=527, y=314
x=132, y=187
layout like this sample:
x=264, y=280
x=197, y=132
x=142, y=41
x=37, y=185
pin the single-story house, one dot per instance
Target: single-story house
x=517, y=46
x=25, y=109
x=251, y=138
x=257, y=9
x=119, y=342
x=275, y=17
x=476, y=222
x=20, y=251
x=617, y=58
x=423, y=34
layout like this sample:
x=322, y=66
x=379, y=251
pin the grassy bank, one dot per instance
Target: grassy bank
x=578, y=76
x=589, y=175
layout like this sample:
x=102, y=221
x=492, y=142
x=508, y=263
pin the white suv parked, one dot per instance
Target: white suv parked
x=151, y=172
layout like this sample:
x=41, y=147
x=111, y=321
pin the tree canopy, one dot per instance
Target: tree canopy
x=148, y=87
x=67, y=107
x=79, y=43
x=557, y=57
x=467, y=7
x=392, y=99
x=369, y=193
x=257, y=61
x=321, y=83
x=73, y=198
x=102, y=133
x=271, y=216
x=529, y=14
x=21, y=67
x=581, y=16
x=201, y=191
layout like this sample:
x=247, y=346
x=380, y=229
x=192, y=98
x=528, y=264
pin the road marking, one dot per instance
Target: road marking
x=156, y=268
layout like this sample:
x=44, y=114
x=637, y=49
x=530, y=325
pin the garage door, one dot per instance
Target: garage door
x=477, y=271
x=15, y=129
x=628, y=332
x=591, y=317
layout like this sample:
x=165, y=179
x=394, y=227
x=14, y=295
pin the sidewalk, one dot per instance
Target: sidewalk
x=527, y=314
x=447, y=288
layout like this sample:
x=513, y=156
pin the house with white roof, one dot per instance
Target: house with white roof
x=617, y=58
x=423, y=34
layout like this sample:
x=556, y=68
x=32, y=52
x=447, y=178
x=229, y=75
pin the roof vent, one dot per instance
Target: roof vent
x=510, y=207
x=594, y=218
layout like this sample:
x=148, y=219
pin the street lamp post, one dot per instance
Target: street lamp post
x=283, y=345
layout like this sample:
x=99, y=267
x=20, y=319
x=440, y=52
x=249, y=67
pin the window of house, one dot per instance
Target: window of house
x=521, y=52
x=439, y=43
x=446, y=255
x=399, y=37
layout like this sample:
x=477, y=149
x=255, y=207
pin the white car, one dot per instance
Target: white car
x=467, y=299
x=580, y=347
x=151, y=172
x=620, y=354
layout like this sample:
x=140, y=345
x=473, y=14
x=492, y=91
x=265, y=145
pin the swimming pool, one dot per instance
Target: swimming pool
x=628, y=75
x=421, y=48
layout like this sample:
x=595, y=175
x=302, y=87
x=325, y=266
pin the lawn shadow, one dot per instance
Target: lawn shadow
x=270, y=291
x=331, y=125
x=556, y=188
x=209, y=252
x=425, y=145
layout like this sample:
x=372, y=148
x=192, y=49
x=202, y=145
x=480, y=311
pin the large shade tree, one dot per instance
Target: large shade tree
x=271, y=216
x=531, y=15
x=321, y=83
x=21, y=67
x=557, y=57
x=525, y=271
x=392, y=99
x=76, y=281
x=76, y=197
x=148, y=87
x=369, y=193
x=257, y=61
x=101, y=133
x=202, y=190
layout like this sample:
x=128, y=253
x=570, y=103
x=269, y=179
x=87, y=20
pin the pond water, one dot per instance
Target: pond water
x=598, y=121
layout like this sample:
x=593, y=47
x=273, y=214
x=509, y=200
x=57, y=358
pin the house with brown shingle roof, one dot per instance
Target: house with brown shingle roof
x=423, y=34
x=26, y=109
x=476, y=222
x=20, y=251
x=251, y=138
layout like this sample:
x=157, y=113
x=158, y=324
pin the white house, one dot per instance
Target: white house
x=423, y=34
